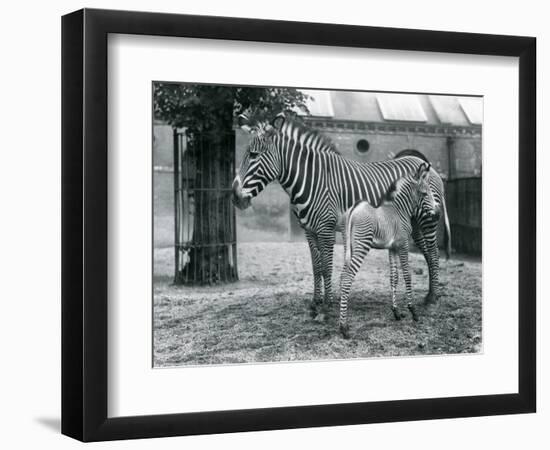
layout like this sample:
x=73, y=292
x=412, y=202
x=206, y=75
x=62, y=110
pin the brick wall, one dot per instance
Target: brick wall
x=465, y=150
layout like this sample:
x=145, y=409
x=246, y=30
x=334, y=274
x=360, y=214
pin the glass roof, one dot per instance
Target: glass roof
x=401, y=107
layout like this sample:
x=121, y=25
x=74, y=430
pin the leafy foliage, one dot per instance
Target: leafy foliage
x=209, y=107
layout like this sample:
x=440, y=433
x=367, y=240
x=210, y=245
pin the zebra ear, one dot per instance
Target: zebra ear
x=419, y=171
x=425, y=171
x=243, y=120
x=279, y=121
x=422, y=171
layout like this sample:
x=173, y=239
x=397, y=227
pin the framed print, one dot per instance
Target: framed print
x=274, y=225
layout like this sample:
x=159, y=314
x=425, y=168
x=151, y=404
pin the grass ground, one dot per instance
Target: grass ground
x=265, y=316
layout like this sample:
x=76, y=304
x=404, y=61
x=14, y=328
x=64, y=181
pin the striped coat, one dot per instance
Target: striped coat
x=322, y=185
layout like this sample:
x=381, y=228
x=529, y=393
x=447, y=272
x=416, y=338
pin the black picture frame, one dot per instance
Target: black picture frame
x=84, y=224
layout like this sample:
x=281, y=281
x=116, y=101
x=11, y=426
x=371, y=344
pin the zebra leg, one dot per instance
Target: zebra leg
x=326, y=247
x=425, y=238
x=346, y=279
x=429, y=231
x=404, y=258
x=394, y=277
x=317, y=271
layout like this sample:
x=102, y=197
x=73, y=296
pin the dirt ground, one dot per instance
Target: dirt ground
x=265, y=316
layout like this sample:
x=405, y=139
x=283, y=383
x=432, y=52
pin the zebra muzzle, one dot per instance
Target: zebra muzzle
x=239, y=200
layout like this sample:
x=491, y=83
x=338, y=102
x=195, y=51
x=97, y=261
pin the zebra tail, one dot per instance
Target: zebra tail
x=447, y=238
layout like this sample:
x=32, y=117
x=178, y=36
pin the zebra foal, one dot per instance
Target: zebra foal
x=386, y=227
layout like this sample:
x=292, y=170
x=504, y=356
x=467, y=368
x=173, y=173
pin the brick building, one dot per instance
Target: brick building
x=370, y=126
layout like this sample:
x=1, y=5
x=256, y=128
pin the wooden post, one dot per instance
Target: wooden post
x=176, y=203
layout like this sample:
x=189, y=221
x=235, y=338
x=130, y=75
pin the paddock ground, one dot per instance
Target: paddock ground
x=264, y=317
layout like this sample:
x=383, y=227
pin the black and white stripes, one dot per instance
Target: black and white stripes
x=322, y=185
x=389, y=227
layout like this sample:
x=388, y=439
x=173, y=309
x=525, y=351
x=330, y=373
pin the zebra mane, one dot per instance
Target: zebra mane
x=325, y=143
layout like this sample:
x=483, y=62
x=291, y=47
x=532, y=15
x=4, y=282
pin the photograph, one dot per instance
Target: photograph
x=275, y=226
x=299, y=224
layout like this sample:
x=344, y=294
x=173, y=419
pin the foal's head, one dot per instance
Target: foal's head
x=413, y=193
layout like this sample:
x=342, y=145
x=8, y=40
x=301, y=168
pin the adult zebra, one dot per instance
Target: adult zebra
x=322, y=185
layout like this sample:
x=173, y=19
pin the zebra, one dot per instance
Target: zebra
x=322, y=185
x=386, y=227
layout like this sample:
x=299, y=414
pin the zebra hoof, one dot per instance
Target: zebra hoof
x=344, y=329
x=430, y=298
x=396, y=313
x=412, y=309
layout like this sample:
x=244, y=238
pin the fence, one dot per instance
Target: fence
x=464, y=209
x=205, y=233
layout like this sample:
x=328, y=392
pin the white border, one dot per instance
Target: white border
x=136, y=389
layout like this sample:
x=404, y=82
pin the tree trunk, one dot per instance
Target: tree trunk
x=208, y=254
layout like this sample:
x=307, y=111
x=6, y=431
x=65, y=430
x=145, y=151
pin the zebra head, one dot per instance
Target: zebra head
x=261, y=163
x=422, y=191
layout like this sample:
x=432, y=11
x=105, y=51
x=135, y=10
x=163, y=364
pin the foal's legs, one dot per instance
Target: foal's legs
x=404, y=258
x=351, y=267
